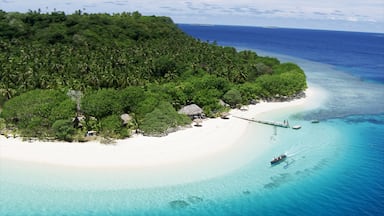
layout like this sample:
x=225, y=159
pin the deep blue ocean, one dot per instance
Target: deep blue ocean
x=350, y=65
x=335, y=167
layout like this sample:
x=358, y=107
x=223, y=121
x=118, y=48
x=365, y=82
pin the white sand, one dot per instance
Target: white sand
x=215, y=137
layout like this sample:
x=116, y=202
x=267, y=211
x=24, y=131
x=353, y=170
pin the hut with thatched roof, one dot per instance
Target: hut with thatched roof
x=192, y=111
x=125, y=118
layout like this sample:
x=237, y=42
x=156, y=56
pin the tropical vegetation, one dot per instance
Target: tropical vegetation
x=55, y=68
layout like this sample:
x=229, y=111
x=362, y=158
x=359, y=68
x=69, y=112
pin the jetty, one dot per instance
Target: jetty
x=284, y=124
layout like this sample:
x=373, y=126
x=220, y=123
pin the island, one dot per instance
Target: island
x=83, y=76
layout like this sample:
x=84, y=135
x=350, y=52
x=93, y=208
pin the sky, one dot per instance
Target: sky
x=344, y=15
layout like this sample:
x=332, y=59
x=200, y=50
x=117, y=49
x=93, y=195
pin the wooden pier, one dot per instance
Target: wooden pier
x=284, y=124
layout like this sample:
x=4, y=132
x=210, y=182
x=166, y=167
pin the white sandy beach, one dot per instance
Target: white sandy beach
x=215, y=137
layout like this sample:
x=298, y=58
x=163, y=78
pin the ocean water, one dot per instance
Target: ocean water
x=334, y=167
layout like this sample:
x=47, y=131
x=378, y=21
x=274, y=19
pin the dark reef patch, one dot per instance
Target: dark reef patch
x=278, y=180
x=178, y=204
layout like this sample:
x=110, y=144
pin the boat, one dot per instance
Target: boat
x=314, y=121
x=296, y=127
x=278, y=159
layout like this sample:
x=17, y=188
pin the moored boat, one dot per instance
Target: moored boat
x=296, y=127
x=278, y=159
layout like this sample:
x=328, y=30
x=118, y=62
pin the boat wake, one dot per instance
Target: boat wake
x=289, y=163
x=299, y=150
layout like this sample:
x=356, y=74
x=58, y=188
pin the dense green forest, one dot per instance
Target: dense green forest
x=55, y=67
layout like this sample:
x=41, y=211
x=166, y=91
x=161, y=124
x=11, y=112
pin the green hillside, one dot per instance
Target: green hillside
x=54, y=67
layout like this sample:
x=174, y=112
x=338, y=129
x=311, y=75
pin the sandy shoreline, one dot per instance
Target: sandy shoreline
x=215, y=137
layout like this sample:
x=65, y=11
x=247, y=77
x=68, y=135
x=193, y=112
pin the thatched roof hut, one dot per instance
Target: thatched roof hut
x=191, y=110
x=126, y=118
x=222, y=103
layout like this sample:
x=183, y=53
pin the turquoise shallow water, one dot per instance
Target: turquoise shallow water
x=333, y=168
x=325, y=170
x=234, y=192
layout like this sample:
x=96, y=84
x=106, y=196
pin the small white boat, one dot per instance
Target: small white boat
x=296, y=127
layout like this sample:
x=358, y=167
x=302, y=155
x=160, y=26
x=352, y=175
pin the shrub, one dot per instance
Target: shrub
x=63, y=130
x=36, y=111
x=102, y=103
x=111, y=126
x=161, y=119
x=232, y=97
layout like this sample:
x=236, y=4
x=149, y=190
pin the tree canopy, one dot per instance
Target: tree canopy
x=122, y=63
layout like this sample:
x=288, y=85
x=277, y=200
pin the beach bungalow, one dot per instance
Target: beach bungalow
x=125, y=118
x=222, y=103
x=193, y=111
